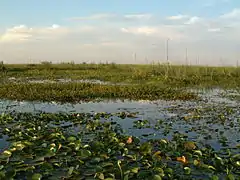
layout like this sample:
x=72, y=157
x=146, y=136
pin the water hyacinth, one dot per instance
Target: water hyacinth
x=103, y=152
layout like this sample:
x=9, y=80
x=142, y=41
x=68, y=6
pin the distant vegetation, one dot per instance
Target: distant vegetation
x=158, y=74
x=46, y=62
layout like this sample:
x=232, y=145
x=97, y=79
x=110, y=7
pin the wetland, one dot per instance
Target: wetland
x=119, y=122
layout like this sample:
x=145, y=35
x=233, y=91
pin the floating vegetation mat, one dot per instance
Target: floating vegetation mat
x=121, y=140
x=88, y=146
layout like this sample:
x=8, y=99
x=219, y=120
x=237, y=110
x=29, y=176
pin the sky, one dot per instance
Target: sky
x=202, y=32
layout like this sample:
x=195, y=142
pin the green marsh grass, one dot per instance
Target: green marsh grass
x=75, y=92
x=170, y=75
x=156, y=81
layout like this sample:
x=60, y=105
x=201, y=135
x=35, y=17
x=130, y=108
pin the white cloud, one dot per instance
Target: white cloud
x=214, y=30
x=17, y=33
x=117, y=39
x=114, y=17
x=138, y=16
x=23, y=33
x=54, y=26
x=235, y=13
x=157, y=31
x=193, y=20
x=178, y=17
x=141, y=30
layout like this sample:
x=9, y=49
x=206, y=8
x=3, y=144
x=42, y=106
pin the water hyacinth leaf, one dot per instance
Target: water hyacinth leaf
x=132, y=157
x=189, y=145
x=159, y=171
x=12, y=149
x=214, y=177
x=38, y=159
x=19, y=146
x=126, y=177
x=84, y=153
x=2, y=175
x=96, y=145
x=37, y=176
x=187, y=170
x=164, y=141
x=44, y=145
x=27, y=143
x=121, y=144
x=10, y=174
x=157, y=177
x=89, y=172
x=169, y=171
x=144, y=174
x=230, y=177
x=98, y=168
x=236, y=156
x=212, y=168
x=136, y=140
x=196, y=162
x=219, y=161
x=157, y=156
x=71, y=139
x=7, y=153
x=107, y=164
x=238, y=163
x=100, y=176
x=95, y=160
x=198, y=152
x=18, y=169
x=135, y=170
x=145, y=148
x=70, y=171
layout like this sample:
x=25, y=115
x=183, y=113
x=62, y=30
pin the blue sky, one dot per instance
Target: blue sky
x=40, y=12
x=116, y=29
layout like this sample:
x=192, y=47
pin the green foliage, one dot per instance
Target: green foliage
x=46, y=62
x=169, y=75
x=159, y=81
x=74, y=92
x=39, y=150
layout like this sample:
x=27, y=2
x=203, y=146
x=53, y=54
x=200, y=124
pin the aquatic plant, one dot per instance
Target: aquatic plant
x=161, y=74
x=85, y=146
x=75, y=92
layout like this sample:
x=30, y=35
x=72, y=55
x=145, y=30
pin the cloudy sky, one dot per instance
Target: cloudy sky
x=121, y=31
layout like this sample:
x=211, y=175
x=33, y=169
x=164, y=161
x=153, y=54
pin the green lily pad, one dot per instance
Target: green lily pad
x=70, y=171
x=189, y=145
x=135, y=170
x=230, y=177
x=71, y=139
x=37, y=176
x=214, y=177
x=7, y=153
x=187, y=170
x=84, y=153
x=157, y=177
